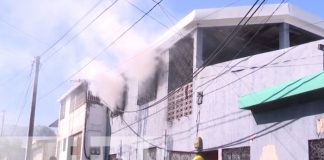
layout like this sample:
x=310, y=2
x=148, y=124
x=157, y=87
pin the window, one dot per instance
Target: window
x=76, y=145
x=62, y=112
x=241, y=153
x=180, y=79
x=64, y=144
x=147, y=90
x=78, y=98
x=210, y=155
x=58, y=148
x=174, y=155
x=315, y=149
x=149, y=154
x=180, y=63
x=113, y=157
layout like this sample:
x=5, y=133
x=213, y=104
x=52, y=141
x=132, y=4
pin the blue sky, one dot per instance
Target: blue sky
x=29, y=27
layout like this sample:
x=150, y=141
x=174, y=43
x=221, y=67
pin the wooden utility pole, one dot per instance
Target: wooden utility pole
x=3, y=120
x=32, y=112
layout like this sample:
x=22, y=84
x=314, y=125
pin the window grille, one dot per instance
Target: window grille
x=315, y=149
x=174, y=155
x=180, y=103
x=241, y=153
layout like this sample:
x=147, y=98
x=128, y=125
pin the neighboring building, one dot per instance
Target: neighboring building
x=43, y=148
x=267, y=105
x=82, y=125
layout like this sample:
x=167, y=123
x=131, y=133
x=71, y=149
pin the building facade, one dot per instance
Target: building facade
x=259, y=97
x=82, y=125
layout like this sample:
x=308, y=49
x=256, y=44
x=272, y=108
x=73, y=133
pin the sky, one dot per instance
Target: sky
x=28, y=28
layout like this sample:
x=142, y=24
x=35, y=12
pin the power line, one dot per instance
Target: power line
x=261, y=67
x=61, y=37
x=23, y=105
x=166, y=106
x=238, y=53
x=204, y=65
x=101, y=52
x=86, y=27
x=181, y=35
x=71, y=28
x=21, y=31
x=139, y=136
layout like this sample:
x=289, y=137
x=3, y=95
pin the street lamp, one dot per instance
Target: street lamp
x=321, y=47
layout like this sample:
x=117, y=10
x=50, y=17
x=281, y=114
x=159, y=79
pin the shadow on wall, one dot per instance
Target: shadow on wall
x=288, y=111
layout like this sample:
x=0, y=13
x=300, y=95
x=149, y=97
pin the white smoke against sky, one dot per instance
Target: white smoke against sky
x=105, y=83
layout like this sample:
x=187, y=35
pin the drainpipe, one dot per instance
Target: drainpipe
x=108, y=135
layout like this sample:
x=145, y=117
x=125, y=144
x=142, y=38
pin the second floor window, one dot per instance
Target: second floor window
x=78, y=98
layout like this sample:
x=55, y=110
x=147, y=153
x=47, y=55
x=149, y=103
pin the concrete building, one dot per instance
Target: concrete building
x=81, y=125
x=259, y=97
x=43, y=148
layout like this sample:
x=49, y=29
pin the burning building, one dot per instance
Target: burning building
x=253, y=96
x=82, y=126
x=252, y=100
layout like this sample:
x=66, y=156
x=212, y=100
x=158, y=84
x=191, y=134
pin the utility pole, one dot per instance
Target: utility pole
x=32, y=112
x=3, y=120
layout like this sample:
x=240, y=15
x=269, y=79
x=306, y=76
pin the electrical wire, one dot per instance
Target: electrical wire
x=22, y=31
x=261, y=67
x=238, y=53
x=82, y=30
x=139, y=136
x=60, y=38
x=23, y=105
x=204, y=65
x=166, y=106
x=71, y=28
x=100, y=53
x=75, y=73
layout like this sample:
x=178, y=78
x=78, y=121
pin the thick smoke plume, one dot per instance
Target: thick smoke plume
x=105, y=83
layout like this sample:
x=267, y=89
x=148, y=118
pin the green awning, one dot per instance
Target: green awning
x=283, y=91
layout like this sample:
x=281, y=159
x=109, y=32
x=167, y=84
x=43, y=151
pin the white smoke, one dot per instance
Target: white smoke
x=141, y=67
x=105, y=83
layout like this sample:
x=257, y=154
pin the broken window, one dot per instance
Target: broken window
x=62, y=111
x=149, y=154
x=147, y=90
x=180, y=79
x=241, y=153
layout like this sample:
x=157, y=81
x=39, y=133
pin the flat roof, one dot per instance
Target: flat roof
x=231, y=16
